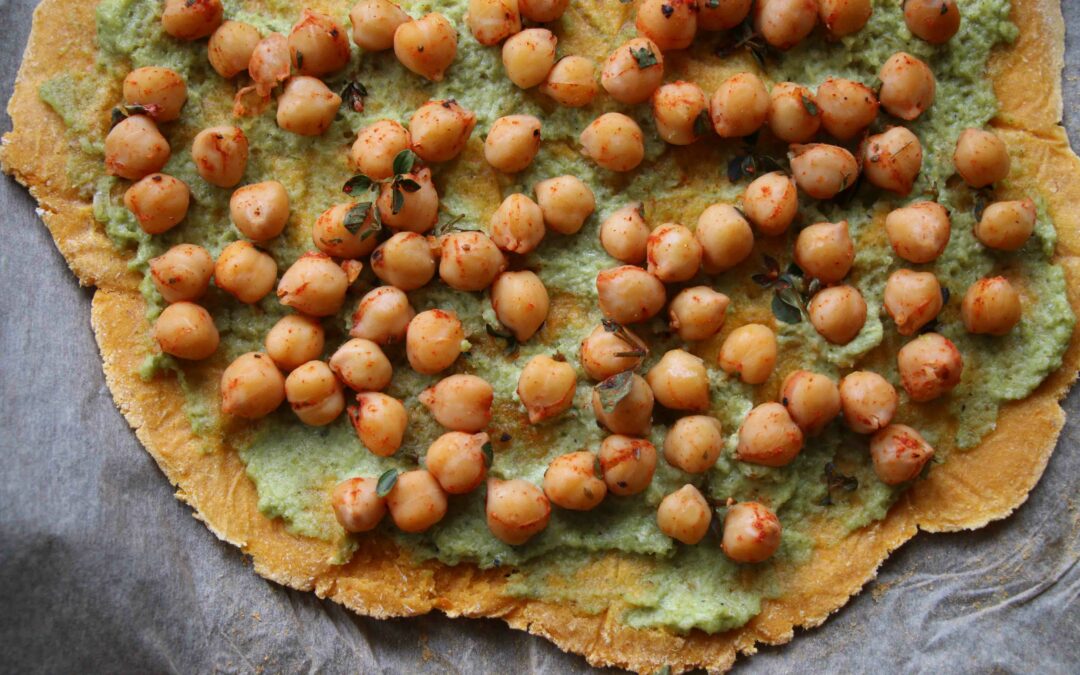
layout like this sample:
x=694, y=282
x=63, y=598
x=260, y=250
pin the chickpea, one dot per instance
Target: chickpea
x=629, y=294
x=440, y=130
x=823, y=171
x=520, y=302
x=158, y=201
x=517, y=225
x=1006, y=225
x=294, y=340
x=191, y=19
x=377, y=145
x=307, y=106
x=512, y=143
x=892, y=160
x=930, y=366
x=333, y=238
x=847, y=107
x=991, y=307
x=182, y=273
x=793, y=115
x=624, y=234
x=912, y=299
x=433, y=341
x=492, y=21
x=785, y=23
x=251, y=387
x=186, y=330
x=812, y=400
x=919, y=232
x=680, y=381
x=460, y=402
x=571, y=482
x=698, y=313
x=614, y=141
x=844, y=17
x=769, y=437
x=899, y=454
x=419, y=210
x=671, y=24
x=314, y=285
x=750, y=352
x=680, y=111
x=546, y=387
x=542, y=11
x=981, y=157
x=529, y=56
x=714, y=15
x=161, y=91
x=231, y=46
x=426, y=46
x=135, y=148
x=674, y=254
x=935, y=21
x=628, y=464
x=318, y=44
x=571, y=82
x=270, y=63
x=380, y=422
x=740, y=106
x=631, y=415
x=516, y=510
x=382, y=316
x=245, y=272
x=416, y=501
x=684, y=515
x=361, y=365
x=469, y=261
x=868, y=401
x=456, y=460
x=604, y=353
x=221, y=155
x=771, y=202
x=907, y=86
x=825, y=251
x=751, y=533
x=566, y=202
x=357, y=504
x=694, y=443
x=725, y=237
x=633, y=71
x=314, y=394
x=374, y=23
x=404, y=260
x=261, y=210
x=838, y=313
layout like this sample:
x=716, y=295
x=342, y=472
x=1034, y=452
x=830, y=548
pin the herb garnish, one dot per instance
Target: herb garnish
x=399, y=185
x=637, y=349
x=386, y=482
x=489, y=454
x=751, y=165
x=791, y=291
x=745, y=37
x=810, y=106
x=615, y=389
x=702, y=123
x=834, y=480
x=644, y=57
x=353, y=95
x=124, y=111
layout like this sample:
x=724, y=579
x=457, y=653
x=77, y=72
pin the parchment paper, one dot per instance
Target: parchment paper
x=101, y=570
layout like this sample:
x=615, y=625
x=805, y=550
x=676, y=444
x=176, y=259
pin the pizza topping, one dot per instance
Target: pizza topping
x=159, y=89
x=821, y=170
x=684, y=515
x=750, y=352
x=314, y=393
x=245, y=272
x=847, y=107
x=680, y=381
x=935, y=21
x=546, y=387
x=674, y=254
x=416, y=501
x=220, y=155
x=405, y=260
x=318, y=44
x=529, y=56
x=844, y=17
x=251, y=386
x=433, y=341
x=919, y=232
x=725, y=236
x=623, y=404
x=542, y=11
x=517, y=226
x=362, y=365
x=382, y=316
x=771, y=202
x=492, y=21
x=812, y=400
x=270, y=64
x=694, y=443
x=231, y=46
x=158, y=201
x=907, y=86
x=769, y=437
x=512, y=143
x=307, y=106
x=629, y=294
x=899, y=454
x=1006, y=226
x=426, y=46
x=573, y=481
x=314, y=285
x=981, y=157
x=469, y=261
x=628, y=464
x=521, y=302
x=716, y=15
x=261, y=210
x=892, y=160
x=408, y=202
x=930, y=367
x=614, y=141
x=440, y=129
x=182, y=273
x=624, y=234
x=698, y=313
x=379, y=421
x=824, y=251
x=374, y=23
x=606, y=352
x=633, y=71
x=566, y=202
x=785, y=23
x=460, y=402
x=346, y=230
x=868, y=401
x=294, y=340
x=376, y=147
x=837, y=313
x=186, y=330
x=681, y=113
x=516, y=510
x=991, y=306
x=191, y=19
x=571, y=82
x=457, y=461
x=912, y=299
x=357, y=507
x=740, y=106
x=793, y=115
x=135, y=148
x=751, y=533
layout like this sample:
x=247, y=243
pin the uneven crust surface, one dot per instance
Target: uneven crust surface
x=968, y=491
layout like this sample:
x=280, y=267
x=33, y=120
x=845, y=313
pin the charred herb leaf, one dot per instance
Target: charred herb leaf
x=353, y=95
x=702, y=123
x=836, y=481
x=386, y=482
x=636, y=351
x=644, y=57
x=615, y=389
x=498, y=332
x=124, y=111
x=809, y=104
x=489, y=454
x=751, y=165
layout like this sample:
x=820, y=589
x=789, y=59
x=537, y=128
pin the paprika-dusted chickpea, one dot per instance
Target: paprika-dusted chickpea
x=270, y=63
x=187, y=331
x=694, y=443
x=674, y=254
x=793, y=115
x=405, y=260
x=912, y=299
x=935, y=21
x=517, y=225
x=629, y=294
x=907, y=86
x=520, y=302
x=844, y=17
x=261, y=210
x=633, y=71
x=251, y=387
x=628, y=464
x=314, y=394
x=331, y=236
x=426, y=46
x=823, y=171
x=838, y=313
x=546, y=387
x=492, y=21
x=361, y=365
x=605, y=353
x=785, y=23
x=182, y=273
x=460, y=402
x=571, y=481
x=566, y=202
x=899, y=453
x=135, y=148
x=440, y=129
x=812, y=400
x=469, y=261
x=740, y=106
x=1006, y=225
x=529, y=56
x=419, y=208
x=191, y=19
x=516, y=510
x=698, y=313
x=991, y=307
x=771, y=202
x=314, y=285
x=542, y=11
x=671, y=24
x=221, y=155
x=892, y=160
x=318, y=45
x=245, y=272
x=725, y=237
x=632, y=414
x=376, y=146
x=416, y=501
x=751, y=533
x=571, y=82
x=307, y=106
x=825, y=251
x=768, y=436
x=374, y=23
x=457, y=461
x=868, y=401
x=357, y=505
x=681, y=112
x=433, y=341
x=716, y=15
x=847, y=107
x=680, y=381
x=512, y=143
x=382, y=316
x=614, y=141
x=749, y=352
x=930, y=366
x=161, y=90
x=981, y=157
x=625, y=234
x=159, y=202
x=294, y=340
x=684, y=515
x=380, y=422
x=919, y=232
x=231, y=46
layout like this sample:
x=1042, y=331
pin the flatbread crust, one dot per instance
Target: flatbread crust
x=970, y=490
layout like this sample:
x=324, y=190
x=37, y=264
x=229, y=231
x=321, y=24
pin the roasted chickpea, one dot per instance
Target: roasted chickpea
x=740, y=106
x=868, y=401
x=307, y=106
x=844, y=17
x=270, y=63
x=698, y=313
x=529, y=56
x=433, y=341
x=357, y=504
x=469, y=261
x=624, y=234
x=380, y=422
x=571, y=482
x=456, y=460
x=892, y=160
x=912, y=299
x=517, y=225
x=135, y=148
x=907, y=86
x=382, y=316
x=361, y=365
x=768, y=436
x=680, y=111
x=771, y=203
x=251, y=387
x=725, y=237
x=405, y=260
x=751, y=533
x=823, y=171
x=492, y=21
x=520, y=302
x=161, y=91
x=182, y=273
x=825, y=251
x=419, y=209
x=991, y=306
x=981, y=157
x=314, y=285
x=930, y=366
x=318, y=45
x=231, y=46
x=245, y=272
x=377, y=145
x=566, y=202
x=460, y=402
x=294, y=340
x=847, y=107
x=793, y=115
x=191, y=19
x=899, y=454
x=694, y=443
x=629, y=294
x=374, y=23
x=416, y=501
x=716, y=15
x=221, y=155
x=684, y=515
x=542, y=11
x=440, y=130
x=571, y=82
x=785, y=23
x=516, y=510
x=159, y=202
x=426, y=46
x=633, y=71
x=671, y=24
x=680, y=381
x=812, y=400
x=332, y=237
x=628, y=464
x=512, y=143
x=1006, y=225
x=838, y=313
x=314, y=394
x=604, y=353
x=632, y=414
x=935, y=21
x=749, y=352
x=674, y=254
x=919, y=232
x=261, y=210
x=546, y=387
x=614, y=141
x=187, y=331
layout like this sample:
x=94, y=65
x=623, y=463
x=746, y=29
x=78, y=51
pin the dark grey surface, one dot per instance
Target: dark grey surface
x=102, y=570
